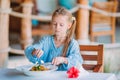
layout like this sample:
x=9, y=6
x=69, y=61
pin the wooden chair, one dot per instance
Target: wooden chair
x=88, y=55
x=100, y=24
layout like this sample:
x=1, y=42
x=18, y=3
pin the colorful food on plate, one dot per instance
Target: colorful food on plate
x=39, y=68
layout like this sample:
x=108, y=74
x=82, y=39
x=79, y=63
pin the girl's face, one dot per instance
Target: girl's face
x=60, y=25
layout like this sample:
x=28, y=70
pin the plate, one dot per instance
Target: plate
x=26, y=69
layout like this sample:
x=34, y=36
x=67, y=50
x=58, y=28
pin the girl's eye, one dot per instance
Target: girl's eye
x=61, y=25
x=54, y=24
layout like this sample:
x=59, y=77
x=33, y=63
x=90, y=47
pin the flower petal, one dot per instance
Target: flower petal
x=73, y=72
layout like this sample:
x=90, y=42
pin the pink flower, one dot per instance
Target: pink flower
x=73, y=72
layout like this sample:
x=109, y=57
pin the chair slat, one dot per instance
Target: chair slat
x=89, y=57
x=89, y=67
x=89, y=48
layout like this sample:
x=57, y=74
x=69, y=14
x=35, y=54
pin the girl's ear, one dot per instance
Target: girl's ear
x=69, y=25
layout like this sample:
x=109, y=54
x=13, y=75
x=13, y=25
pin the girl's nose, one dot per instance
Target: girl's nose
x=57, y=26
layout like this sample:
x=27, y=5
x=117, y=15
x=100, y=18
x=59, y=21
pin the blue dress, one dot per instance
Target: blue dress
x=51, y=51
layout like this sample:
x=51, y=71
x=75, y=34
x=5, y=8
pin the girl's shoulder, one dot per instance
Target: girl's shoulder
x=74, y=41
x=74, y=45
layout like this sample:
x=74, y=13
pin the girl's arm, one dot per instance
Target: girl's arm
x=30, y=49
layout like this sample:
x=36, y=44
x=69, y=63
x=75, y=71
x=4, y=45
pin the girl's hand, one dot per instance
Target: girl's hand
x=59, y=60
x=37, y=52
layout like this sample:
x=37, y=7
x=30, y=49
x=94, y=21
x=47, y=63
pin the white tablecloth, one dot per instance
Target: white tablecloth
x=12, y=74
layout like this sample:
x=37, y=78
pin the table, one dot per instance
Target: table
x=12, y=74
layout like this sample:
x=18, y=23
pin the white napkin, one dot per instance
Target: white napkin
x=83, y=72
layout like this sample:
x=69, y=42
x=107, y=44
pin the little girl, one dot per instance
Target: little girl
x=60, y=49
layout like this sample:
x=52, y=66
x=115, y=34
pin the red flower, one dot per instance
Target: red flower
x=73, y=72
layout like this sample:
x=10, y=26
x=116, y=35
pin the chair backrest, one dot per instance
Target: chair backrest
x=92, y=61
x=109, y=6
x=102, y=24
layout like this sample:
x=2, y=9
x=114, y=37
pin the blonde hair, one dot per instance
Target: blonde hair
x=62, y=11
